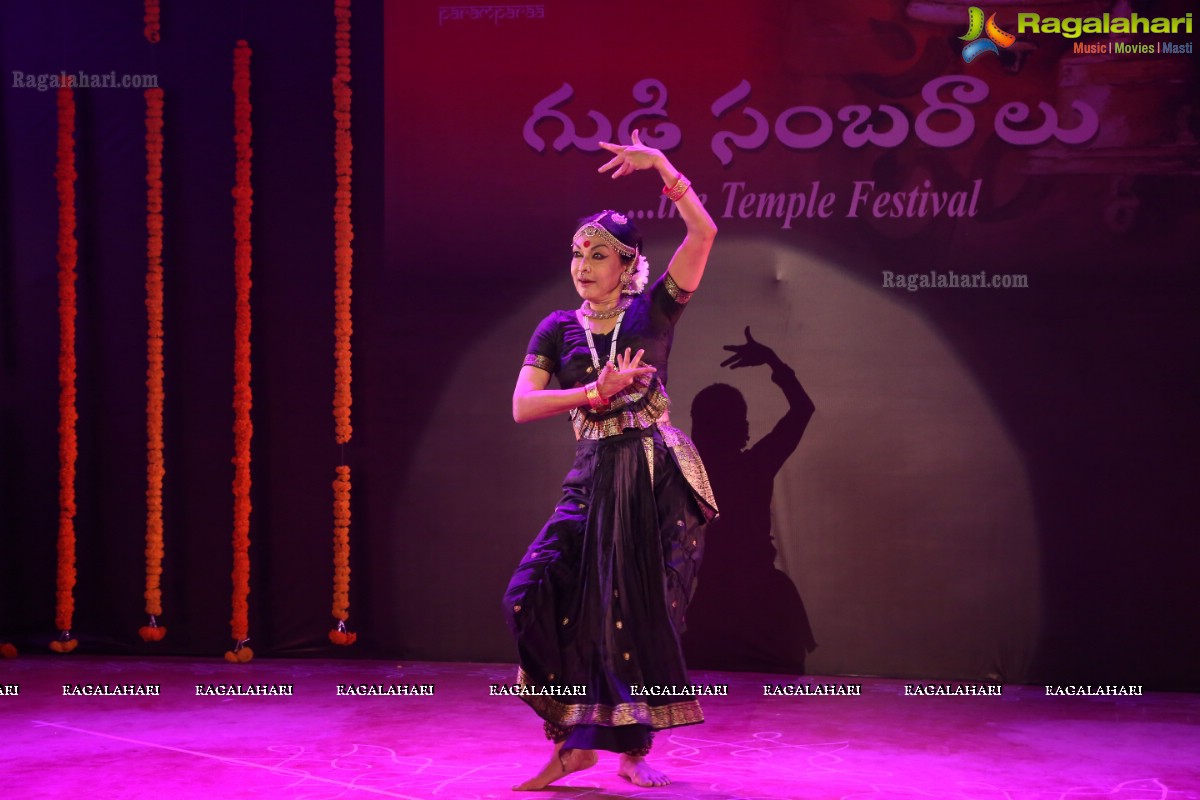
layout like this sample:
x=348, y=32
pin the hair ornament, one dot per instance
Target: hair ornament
x=640, y=274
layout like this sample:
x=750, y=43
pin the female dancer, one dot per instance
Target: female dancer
x=597, y=604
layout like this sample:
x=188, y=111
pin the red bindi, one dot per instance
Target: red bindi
x=587, y=243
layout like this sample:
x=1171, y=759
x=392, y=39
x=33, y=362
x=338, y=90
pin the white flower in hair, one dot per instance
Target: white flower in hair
x=641, y=274
x=620, y=219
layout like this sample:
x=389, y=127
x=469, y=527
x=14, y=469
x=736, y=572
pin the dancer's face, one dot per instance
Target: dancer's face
x=596, y=270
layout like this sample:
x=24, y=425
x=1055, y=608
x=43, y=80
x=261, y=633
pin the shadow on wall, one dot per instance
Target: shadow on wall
x=746, y=615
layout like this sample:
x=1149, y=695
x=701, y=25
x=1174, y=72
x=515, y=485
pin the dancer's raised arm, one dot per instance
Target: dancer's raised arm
x=687, y=265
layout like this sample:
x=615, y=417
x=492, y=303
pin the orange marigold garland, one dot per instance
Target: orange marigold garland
x=343, y=230
x=68, y=451
x=341, y=556
x=343, y=259
x=243, y=429
x=151, y=18
x=152, y=631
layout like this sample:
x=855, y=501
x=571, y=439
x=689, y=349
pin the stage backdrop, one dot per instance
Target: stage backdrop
x=993, y=480
x=972, y=251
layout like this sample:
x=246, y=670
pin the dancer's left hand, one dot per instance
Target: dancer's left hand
x=630, y=158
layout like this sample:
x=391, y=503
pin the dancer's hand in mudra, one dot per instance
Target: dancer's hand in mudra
x=630, y=158
x=616, y=379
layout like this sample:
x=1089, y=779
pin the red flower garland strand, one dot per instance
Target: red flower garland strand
x=243, y=428
x=341, y=556
x=343, y=259
x=153, y=632
x=343, y=230
x=151, y=18
x=68, y=414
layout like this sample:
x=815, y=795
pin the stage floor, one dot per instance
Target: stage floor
x=462, y=743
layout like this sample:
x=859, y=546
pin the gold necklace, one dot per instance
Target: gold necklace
x=615, y=311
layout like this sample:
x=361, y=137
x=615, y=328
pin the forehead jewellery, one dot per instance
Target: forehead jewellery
x=593, y=229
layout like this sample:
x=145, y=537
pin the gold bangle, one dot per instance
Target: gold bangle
x=595, y=400
x=678, y=189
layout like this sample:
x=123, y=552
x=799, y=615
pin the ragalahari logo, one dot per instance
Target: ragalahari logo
x=976, y=27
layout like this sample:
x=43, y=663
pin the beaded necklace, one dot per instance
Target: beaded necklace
x=584, y=322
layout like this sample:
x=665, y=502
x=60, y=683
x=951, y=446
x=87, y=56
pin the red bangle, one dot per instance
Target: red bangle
x=594, y=398
x=677, y=190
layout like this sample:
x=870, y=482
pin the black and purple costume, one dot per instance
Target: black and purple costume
x=599, y=599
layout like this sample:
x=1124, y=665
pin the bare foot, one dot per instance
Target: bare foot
x=638, y=772
x=559, y=766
